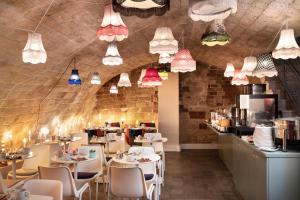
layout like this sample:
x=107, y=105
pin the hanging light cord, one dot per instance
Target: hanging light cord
x=37, y=26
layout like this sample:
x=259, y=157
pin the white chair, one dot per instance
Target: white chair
x=52, y=188
x=7, y=185
x=129, y=183
x=91, y=170
x=29, y=168
x=63, y=174
x=83, y=141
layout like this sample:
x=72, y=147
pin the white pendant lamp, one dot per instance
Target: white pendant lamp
x=164, y=58
x=183, y=62
x=124, y=80
x=239, y=79
x=265, y=66
x=163, y=42
x=113, y=89
x=287, y=47
x=112, y=56
x=95, y=80
x=34, y=51
x=229, y=72
x=249, y=65
x=140, y=81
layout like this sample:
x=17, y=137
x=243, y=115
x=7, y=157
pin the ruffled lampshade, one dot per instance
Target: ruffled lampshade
x=112, y=27
x=229, y=72
x=141, y=8
x=287, y=46
x=239, y=79
x=143, y=73
x=74, y=78
x=34, y=51
x=124, y=80
x=265, y=66
x=151, y=78
x=95, y=80
x=164, y=58
x=164, y=75
x=216, y=34
x=112, y=56
x=113, y=89
x=249, y=65
x=163, y=42
x=217, y=9
x=183, y=62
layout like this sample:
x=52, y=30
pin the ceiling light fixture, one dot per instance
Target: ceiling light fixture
x=112, y=56
x=124, y=80
x=216, y=34
x=265, y=66
x=95, y=80
x=34, y=51
x=163, y=42
x=229, y=72
x=74, y=78
x=139, y=82
x=183, y=62
x=151, y=78
x=249, y=65
x=113, y=89
x=239, y=79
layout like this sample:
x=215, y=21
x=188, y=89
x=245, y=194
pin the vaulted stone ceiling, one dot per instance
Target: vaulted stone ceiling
x=69, y=29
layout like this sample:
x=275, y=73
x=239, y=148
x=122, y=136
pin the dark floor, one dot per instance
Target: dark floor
x=196, y=174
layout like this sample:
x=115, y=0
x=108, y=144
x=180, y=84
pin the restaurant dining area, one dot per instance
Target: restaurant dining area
x=150, y=99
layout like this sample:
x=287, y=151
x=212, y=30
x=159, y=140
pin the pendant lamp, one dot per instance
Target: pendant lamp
x=216, y=34
x=151, y=78
x=124, y=80
x=265, y=66
x=249, y=65
x=183, y=62
x=229, y=72
x=113, y=89
x=34, y=51
x=163, y=42
x=141, y=8
x=143, y=73
x=96, y=80
x=112, y=56
x=164, y=58
x=287, y=47
x=112, y=27
x=239, y=79
x=164, y=75
x=217, y=9
x=74, y=78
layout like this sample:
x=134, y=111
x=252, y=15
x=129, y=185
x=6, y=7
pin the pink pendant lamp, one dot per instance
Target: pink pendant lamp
x=239, y=78
x=151, y=78
x=183, y=62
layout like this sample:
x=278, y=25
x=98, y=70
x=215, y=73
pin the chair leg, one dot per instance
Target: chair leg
x=97, y=188
x=90, y=192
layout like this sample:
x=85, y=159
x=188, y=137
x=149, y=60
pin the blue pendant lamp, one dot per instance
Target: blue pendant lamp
x=74, y=78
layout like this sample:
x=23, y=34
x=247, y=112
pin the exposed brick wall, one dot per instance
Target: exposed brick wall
x=202, y=91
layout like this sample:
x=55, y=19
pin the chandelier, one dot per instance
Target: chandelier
x=216, y=34
x=74, y=78
x=164, y=58
x=34, y=51
x=239, y=78
x=163, y=42
x=141, y=8
x=95, y=80
x=183, y=62
x=249, y=65
x=112, y=27
x=265, y=66
x=217, y=9
x=287, y=46
x=112, y=56
x=124, y=80
x=229, y=72
x=113, y=89
x=151, y=78
x=143, y=73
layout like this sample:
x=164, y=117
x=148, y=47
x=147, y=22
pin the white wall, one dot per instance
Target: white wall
x=168, y=111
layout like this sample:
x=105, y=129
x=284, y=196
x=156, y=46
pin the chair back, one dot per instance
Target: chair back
x=83, y=141
x=3, y=186
x=41, y=157
x=127, y=182
x=94, y=165
x=51, y=188
x=62, y=174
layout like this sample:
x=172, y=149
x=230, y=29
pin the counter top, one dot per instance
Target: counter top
x=276, y=154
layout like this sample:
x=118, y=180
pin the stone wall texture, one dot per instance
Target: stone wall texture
x=202, y=91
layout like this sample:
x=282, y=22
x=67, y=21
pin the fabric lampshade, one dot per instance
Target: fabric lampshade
x=229, y=72
x=151, y=78
x=249, y=65
x=124, y=80
x=34, y=51
x=143, y=73
x=183, y=62
x=164, y=58
x=163, y=42
x=74, y=78
x=216, y=34
x=112, y=56
x=95, y=80
x=265, y=66
x=239, y=78
x=113, y=89
x=287, y=46
x=112, y=27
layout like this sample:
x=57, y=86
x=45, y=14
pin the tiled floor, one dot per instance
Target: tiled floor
x=196, y=174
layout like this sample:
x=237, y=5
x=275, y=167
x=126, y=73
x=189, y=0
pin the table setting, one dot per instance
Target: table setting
x=135, y=158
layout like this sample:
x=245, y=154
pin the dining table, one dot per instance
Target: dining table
x=104, y=141
x=150, y=141
x=136, y=159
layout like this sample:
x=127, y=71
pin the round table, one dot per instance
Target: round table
x=68, y=161
x=152, y=157
x=67, y=140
